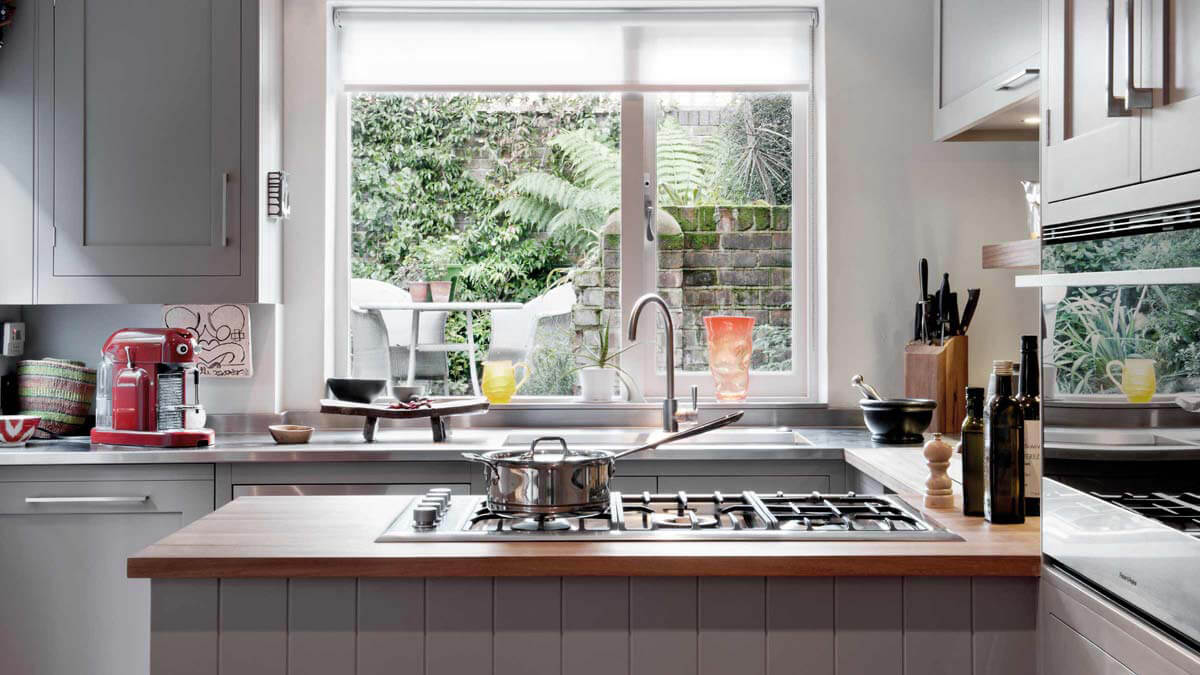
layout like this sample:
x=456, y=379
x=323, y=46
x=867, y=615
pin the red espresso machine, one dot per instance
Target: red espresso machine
x=147, y=390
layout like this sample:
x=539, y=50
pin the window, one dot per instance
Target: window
x=571, y=162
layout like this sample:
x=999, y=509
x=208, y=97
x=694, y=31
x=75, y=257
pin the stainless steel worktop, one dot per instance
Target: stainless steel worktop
x=415, y=445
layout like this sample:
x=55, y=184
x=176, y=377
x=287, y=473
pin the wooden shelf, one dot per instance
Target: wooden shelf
x=1013, y=255
x=1157, y=277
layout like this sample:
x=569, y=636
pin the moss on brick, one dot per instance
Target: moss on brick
x=781, y=218
x=757, y=217
x=695, y=240
x=705, y=219
x=671, y=242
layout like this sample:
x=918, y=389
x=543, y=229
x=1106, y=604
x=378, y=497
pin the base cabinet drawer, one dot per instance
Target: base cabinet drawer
x=1083, y=633
x=67, y=605
x=1069, y=653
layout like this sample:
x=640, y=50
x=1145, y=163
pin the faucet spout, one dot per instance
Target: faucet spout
x=670, y=405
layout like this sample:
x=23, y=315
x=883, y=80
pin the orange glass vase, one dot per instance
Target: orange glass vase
x=730, y=344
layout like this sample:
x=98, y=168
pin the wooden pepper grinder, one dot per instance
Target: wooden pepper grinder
x=939, y=491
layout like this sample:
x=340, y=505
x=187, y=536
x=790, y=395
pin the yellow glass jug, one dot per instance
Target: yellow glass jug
x=1137, y=379
x=500, y=380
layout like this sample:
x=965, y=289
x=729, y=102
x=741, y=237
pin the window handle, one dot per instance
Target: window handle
x=648, y=202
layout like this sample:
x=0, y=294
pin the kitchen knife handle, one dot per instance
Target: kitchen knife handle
x=923, y=271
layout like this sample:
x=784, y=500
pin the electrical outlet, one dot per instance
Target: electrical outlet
x=14, y=338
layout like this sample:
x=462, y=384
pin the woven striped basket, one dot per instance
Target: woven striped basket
x=60, y=392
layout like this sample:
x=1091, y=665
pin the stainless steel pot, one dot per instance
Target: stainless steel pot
x=540, y=482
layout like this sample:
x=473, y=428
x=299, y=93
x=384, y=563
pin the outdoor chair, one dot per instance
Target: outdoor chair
x=514, y=331
x=431, y=366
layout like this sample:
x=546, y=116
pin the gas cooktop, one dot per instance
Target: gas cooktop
x=438, y=516
x=1180, y=511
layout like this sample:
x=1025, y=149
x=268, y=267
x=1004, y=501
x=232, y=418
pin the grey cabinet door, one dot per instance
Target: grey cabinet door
x=984, y=53
x=1085, y=150
x=67, y=606
x=1171, y=129
x=147, y=137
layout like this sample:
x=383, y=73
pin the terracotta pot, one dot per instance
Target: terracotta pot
x=419, y=290
x=440, y=291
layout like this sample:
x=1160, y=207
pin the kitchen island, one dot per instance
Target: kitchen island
x=298, y=585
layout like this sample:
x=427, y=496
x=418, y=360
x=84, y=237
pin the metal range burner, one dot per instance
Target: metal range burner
x=680, y=516
x=1180, y=511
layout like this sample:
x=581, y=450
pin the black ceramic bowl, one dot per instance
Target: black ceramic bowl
x=897, y=420
x=356, y=389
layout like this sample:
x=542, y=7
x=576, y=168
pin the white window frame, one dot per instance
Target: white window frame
x=638, y=255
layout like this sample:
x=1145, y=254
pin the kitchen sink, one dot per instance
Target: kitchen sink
x=733, y=437
x=581, y=438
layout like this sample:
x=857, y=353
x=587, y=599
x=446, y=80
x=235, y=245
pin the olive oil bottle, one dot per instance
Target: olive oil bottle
x=971, y=447
x=1030, y=399
x=1004, y=451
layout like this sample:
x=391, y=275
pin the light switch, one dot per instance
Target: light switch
x=14, y=338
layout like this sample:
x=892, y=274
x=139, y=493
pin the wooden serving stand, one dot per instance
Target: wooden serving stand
x=437, y=414
x=939, y=372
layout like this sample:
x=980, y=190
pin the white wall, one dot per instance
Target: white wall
x=78, y=331
x=895, y=196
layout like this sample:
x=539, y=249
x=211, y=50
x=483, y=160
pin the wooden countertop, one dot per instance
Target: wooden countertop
x=335, y=537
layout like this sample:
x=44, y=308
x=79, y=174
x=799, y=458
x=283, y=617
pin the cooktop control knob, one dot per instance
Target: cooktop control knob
x=425, y=517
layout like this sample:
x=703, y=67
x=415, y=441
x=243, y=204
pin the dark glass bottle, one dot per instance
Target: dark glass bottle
x=1004, y=451
x=971, y=447
x=1030, y=399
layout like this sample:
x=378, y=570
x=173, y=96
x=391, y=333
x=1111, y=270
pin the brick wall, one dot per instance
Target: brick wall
x=726, y=260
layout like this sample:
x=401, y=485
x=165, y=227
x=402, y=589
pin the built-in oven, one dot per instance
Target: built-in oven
x=1121, y=454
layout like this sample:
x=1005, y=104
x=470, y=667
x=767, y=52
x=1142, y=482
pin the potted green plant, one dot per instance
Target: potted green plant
x=597, y=366
x=437, y=261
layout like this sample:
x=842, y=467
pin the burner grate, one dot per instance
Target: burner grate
x=1179, y=511
x=679, y=516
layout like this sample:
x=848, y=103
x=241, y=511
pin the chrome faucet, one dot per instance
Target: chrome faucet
x=670, y=412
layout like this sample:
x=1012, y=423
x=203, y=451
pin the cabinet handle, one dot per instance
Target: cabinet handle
x=1135, y=97
x=1010, y=82
x=133, y=499
x=225, y=208
x=1116, y=108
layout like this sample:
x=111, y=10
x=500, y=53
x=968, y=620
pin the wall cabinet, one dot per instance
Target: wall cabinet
x=156, y=126
x=1085, y=634
x=68, y=607
x=987, y=59
x=1120, y=105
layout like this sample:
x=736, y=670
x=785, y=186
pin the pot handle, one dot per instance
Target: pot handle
x=475, y=457
x=533, y=446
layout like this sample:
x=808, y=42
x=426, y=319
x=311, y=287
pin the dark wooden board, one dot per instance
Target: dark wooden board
x=467, y=407
x=435, y=413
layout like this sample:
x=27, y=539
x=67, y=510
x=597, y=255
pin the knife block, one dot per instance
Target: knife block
x=939, y=372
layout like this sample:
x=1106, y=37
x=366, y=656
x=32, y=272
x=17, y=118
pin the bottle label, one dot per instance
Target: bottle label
x=1033, y=459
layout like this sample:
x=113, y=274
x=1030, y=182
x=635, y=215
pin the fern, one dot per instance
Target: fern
x=573, y=210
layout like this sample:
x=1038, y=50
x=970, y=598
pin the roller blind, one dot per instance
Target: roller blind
x=593, y=50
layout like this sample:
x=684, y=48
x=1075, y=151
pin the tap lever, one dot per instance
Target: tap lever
x=693, y=413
